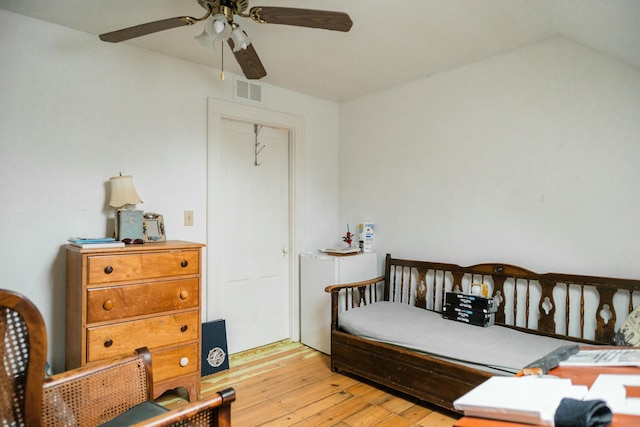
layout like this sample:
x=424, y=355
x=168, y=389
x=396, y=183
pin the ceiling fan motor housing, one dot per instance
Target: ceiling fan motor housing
x=237, y=6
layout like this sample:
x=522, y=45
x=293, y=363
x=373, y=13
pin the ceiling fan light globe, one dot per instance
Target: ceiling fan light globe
x=240, y=39
x=218, y=26
x=205, y=40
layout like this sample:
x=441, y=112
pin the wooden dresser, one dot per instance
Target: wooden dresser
x=120, y=299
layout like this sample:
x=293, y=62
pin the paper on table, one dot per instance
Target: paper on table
x=607, y=357
x=527, y=399
x=611, y=389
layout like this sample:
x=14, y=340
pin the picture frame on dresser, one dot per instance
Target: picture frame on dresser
x=153, y=228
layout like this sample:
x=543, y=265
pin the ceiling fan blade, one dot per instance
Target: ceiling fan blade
x=328, y=20
x=249, y=61
x=148, y=28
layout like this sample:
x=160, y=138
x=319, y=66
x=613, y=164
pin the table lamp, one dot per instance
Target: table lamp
x=124, y=198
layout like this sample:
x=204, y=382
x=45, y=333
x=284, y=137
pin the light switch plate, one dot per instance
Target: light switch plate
x=188, y=218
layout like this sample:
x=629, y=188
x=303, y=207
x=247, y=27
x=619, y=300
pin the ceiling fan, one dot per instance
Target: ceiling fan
x=223, y=28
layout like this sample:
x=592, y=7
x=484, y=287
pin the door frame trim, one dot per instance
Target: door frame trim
x=218, y=110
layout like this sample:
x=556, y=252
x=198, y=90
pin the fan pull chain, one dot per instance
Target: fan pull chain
x=222, y=60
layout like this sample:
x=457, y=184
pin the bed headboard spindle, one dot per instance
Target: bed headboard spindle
x=555, y=304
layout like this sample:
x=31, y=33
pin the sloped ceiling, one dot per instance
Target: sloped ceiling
x=391, y=42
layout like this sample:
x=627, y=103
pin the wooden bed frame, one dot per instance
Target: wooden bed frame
x=567, y=306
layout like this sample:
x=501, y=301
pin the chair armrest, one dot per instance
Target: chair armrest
x=98, y=391
x=338, y=288
x=214, y=411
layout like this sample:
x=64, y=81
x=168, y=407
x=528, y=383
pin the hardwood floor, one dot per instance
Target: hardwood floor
x=289, y=384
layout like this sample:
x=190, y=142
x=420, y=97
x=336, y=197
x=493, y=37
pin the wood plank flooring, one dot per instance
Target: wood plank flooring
x=289, y=384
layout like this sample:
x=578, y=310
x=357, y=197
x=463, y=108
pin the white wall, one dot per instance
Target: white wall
x=529, y=158
x=76, y=111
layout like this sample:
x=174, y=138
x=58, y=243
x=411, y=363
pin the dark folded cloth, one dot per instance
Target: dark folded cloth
x=582, y=413
x=140, y=412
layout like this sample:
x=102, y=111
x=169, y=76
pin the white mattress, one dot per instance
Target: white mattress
x=494, y=348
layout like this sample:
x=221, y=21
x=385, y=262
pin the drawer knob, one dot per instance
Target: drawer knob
x=184, y=263
x=184, y=328
x=108, y=304
x=108, y=269
x=184, y=361
x=108, y=343
x=184, y=294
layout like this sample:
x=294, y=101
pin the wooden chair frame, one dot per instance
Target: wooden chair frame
x=90, y=395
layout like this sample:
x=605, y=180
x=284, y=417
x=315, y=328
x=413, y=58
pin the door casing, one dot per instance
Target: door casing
x=217, y=110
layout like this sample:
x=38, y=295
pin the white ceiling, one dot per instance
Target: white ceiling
x=390, y=43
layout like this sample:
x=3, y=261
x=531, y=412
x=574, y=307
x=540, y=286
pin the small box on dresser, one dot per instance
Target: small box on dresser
x=120, y=299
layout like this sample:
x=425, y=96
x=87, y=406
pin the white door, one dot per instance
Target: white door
x=254, y=264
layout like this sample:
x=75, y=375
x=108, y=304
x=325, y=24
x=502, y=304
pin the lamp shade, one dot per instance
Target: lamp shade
x=123, y=192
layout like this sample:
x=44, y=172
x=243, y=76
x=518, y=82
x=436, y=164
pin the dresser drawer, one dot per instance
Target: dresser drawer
x=121, y=338
x=120, y=302
x=140, y=266
x=175, y=362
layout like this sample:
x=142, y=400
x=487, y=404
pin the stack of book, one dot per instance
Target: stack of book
x=95, y=242
x=468, y=308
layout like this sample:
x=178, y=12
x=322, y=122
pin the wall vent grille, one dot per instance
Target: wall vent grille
x=248, y=91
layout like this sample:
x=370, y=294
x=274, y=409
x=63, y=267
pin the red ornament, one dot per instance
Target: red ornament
x=348, y=238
